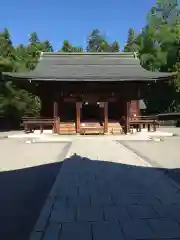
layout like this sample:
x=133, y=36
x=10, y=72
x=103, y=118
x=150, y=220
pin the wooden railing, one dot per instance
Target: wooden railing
x=140, y=122
x=143, y=118
x=169, y=119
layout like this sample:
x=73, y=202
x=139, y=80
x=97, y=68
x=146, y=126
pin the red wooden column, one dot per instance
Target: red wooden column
x=55, y=116
x=78, y=116
x=139, y=97
x=138, y=108
x=134, y=108
x=127, y=116
x=105, y=117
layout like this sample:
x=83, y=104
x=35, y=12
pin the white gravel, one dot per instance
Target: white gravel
x=164, y=153
x=15, y=154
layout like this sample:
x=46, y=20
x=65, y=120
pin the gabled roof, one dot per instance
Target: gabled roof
x=90, y=67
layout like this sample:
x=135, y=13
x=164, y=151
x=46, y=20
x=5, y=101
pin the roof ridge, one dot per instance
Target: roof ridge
x=120, y=54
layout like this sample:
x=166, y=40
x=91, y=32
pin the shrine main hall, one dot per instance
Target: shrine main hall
x=89, y=90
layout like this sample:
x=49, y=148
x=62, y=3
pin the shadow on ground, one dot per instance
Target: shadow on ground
x=122, y=193
x=163, y=155
x=114, y=201
x=22, y=194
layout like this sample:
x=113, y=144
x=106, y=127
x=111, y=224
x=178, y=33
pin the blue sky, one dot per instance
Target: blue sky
x=57, y=20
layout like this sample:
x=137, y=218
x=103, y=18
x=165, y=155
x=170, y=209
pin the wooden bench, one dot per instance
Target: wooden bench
x=31, y=123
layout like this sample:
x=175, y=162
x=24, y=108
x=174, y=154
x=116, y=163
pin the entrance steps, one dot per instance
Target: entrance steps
x=90, y=128
x=67, y=128
x=91, y=124
x=114, y=128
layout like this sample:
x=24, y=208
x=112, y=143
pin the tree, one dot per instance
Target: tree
x=16, y=102
x=95, y=40
x=33, y=38
x=164, y=12
x=115, y=46
x=131, y=45
x=67, y=47
x=158, y=51
x=98, y=43
x=34, y=48
x=47, y=47
x=6, y=47
x=5, y=65
x=157, y=46
x=162, y=31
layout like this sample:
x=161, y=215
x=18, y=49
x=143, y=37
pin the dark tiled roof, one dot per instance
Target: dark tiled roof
x=90, y=67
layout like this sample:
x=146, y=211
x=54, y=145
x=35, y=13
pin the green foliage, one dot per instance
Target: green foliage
x=67, y=47
x=5, y=65
x=98, y=43
x=131, y=45
x=158, y=47
x=33, y=38
x=16, y=102
x=115, y=46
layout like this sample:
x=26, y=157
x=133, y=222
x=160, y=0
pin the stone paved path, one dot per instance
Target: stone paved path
x=106, y=192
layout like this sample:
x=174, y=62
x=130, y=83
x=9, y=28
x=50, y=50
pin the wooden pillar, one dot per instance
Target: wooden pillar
x=134, y=109
x=78, y=117
x=55, y=108
x=105, y=117
x=55, y=116
x=127, y=116
x=138, y=97
x=138, y=108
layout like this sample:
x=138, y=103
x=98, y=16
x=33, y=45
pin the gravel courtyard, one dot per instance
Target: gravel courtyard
x=163, y=154
x=27, y=173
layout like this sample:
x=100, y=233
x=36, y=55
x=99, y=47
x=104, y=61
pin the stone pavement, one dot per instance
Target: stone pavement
x=104, y=191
